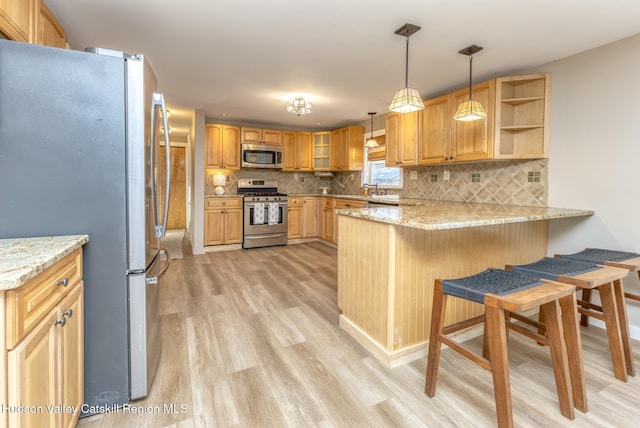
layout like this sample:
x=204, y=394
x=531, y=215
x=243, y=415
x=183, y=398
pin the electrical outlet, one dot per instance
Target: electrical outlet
x=445, y=175
x=413, y=175
x=295, y=176
x=352, y=176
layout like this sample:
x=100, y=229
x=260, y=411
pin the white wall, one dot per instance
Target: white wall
x=595, y=152
x=197, y=223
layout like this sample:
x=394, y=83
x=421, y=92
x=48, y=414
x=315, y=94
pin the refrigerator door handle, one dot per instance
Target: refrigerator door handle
x=158, y=102
x=155, y=279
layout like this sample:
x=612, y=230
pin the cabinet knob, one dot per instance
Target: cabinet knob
x=69, y=313
x=64, y=282
x=62, y=321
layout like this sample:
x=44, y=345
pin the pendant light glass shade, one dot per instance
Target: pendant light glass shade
x=406, y=99
x=371, y=142
x=471, y=109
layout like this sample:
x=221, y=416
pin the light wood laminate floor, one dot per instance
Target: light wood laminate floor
x=251, y=339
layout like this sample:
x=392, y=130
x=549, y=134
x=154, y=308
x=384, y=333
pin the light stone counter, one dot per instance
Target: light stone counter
x=23, y=258
x=438, y=215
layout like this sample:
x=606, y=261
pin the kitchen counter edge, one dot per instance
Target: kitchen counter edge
x=455, y=215
x=21, y=259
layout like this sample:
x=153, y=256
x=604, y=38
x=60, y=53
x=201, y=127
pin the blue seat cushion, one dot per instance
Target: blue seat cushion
x=599, y=255
x=494, y=281
x=550, y=268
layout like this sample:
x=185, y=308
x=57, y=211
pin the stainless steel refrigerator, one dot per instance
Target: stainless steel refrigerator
x=79, y=154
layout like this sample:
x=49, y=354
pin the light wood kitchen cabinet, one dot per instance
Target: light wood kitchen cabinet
x=45, y=344
x=223, y=221
x=17, y=19
x=328, y=220
x=271, y=137
x=522, y=116
x=321, y=151
x=222, y=146
x=401, y=136
x=443, y=139
x=516, y=127
x=31, y=21
x=50, y=32
x=296, y=151
x=320, y=201
x=435, y=131
x=347, y=149
x=340, y=203
x=294, y=226
x=309, y=217
x=473, y=140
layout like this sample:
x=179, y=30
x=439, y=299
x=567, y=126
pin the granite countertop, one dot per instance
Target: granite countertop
x=436, y=215
x=23, y=258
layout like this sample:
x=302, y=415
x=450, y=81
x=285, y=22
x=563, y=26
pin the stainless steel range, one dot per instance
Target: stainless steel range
x=265, y=213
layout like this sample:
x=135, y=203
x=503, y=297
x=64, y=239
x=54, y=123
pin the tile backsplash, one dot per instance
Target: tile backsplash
x=495, y=182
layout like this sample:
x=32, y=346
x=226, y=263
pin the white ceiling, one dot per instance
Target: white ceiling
x=243, y=58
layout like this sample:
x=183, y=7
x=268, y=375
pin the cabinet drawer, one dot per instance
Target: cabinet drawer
x=295, y=202
x=27, y=305
x=347, y=203
x=329, y=203
x=223, y=203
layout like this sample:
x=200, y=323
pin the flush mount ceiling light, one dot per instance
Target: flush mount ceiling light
x=406, y=99
x=371, y=142
x=299, y=106
x=470, y=109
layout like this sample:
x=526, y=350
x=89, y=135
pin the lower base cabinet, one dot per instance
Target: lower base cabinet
x=45, y=348
x=294, y=218
x=223, y=221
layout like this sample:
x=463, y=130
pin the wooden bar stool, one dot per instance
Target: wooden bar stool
x=590, y=276
x=504, y=292
x=614, y=258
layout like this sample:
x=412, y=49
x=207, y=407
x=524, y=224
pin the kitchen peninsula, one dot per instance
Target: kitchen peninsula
x=389, y=258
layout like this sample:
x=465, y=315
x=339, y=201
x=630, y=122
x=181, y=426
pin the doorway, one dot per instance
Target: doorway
x=178, y=192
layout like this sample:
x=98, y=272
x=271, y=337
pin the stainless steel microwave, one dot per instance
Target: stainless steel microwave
x=261, y=156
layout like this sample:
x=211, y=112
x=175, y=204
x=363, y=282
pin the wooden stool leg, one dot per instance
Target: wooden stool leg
x=559, y=357
x=586, y=296
x=574, y=351
x=485, y=341
x=612, y=323
x=437, y=325
x=621, y=305
x=497, y=334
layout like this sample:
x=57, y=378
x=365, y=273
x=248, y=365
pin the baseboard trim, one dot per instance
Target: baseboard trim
x=391, y=359
x=226, y=247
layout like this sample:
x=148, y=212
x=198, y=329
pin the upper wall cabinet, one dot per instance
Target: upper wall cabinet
x=17, y=19
x=296, y=151
x=516, y=126
x=522, y=116
x=401, y=136
x=347, y=149
x=222, y=146
x=261, y=136
x=50, y=32
x=321, y=151
x=31, y=21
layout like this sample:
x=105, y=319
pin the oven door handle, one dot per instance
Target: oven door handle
x=266, y=204
x=271, y=235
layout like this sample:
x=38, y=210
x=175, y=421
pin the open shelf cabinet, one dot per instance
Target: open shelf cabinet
x=522, y=117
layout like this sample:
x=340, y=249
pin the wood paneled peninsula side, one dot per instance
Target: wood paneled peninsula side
x=389, y=258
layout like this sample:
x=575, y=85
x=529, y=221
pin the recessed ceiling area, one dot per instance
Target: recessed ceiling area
x=239, y=60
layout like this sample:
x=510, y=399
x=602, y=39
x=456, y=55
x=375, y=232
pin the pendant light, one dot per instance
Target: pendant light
x=371, y=142
x=406, y=99
x=470, y=109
